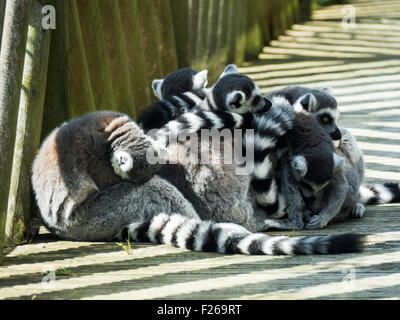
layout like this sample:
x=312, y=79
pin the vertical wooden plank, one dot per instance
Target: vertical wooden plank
x=283, y=17
x=193, y=29
x=275, y=18
x=233, y=32
x=222, y=39
x=295, y=11
x=57, y=97
x=240, y=27
x=210, y=59
x=28, y=127
x=201, y=45
x=2, y=11
x=82, y=100
x=180, y=20
x=150, y=38
x=265, y=20
x=117, y=56
x=136, y=54
x=288, y=8
x=11, y=66
x=96, y=54
x=166, y=44
x=253, y=31
x=305, y=10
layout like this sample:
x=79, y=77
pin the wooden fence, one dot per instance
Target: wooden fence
x=103, y=54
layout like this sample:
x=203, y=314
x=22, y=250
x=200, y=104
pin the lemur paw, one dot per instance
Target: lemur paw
x=358, y=211
x=316, y=223
x=307, y=215
x=122, y=163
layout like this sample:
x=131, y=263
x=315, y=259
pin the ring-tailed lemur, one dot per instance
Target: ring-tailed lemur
x=308, y=166
x=323, y=105
x=321, y=201
x=340, y=198
x=185, y=90
x=179, y=92
x=91, y=178
x=238, y=93
x=319, y=102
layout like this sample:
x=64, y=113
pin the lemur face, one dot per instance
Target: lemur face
x=315, y=174
x=180, y=81
x=322, y=104
x=238, y=93
x=313, y=160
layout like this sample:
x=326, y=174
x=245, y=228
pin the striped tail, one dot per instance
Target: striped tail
x=158, y=114
x=371, y=194
x=268, y=127
x=197, y=235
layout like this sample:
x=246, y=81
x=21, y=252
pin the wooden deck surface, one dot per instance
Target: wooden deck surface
x=363, y=67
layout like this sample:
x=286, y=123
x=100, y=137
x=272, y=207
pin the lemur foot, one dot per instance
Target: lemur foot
x=282, y=224
x=316, y=222
x=358, y=211
x=307, y=215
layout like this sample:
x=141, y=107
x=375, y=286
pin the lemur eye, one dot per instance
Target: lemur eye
x=326, y=119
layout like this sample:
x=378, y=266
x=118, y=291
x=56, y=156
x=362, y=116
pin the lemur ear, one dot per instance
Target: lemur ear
x=235, y=99
x=338, y=161
x=328, y=90
x=268, y=103
x=200, y=80
x=299, y=166
x=308, y=102
x=229, y=69
x=156, y=85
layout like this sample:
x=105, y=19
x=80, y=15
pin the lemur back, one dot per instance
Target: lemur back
x=84, y=163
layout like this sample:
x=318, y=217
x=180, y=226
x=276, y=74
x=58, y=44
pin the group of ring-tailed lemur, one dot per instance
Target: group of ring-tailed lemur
x=93, y=181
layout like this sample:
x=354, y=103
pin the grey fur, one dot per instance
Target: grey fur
x=317, y=101
x=332, y=202
x=79, y=195
x=305, y=168
x=91, y=179
x=237, y=93
x=179, y=92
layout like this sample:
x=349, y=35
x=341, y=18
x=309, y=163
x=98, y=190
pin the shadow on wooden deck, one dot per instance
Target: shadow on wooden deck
x=363, y=67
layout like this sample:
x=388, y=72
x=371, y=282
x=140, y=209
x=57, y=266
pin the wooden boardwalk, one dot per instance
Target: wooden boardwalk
x=363, y=67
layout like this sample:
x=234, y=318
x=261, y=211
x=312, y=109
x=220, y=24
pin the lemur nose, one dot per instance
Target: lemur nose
x=336, y=135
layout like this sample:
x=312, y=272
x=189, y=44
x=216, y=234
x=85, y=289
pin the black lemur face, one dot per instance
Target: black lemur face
x=180, y=81
x=238, y=93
